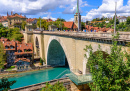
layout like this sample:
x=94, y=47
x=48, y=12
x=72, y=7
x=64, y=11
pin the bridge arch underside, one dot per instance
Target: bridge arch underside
x=56, y=55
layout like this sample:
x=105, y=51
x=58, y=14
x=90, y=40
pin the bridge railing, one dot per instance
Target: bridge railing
x=108, y=35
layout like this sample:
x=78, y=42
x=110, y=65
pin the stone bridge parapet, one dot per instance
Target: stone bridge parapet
x=124, y=36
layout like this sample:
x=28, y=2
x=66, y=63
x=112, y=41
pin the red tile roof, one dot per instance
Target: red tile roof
x=29, y=20
x=89, y=28
x=24, y=46
x=48, y=20
x=3, y=39
x=16, y=15
x=70, y=25
x=23, y=59
x=3, y=18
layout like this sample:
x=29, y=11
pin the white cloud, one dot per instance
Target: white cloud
x=50, y=18
x=31, y=7
x=107, y=9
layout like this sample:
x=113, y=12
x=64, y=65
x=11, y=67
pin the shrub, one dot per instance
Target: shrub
x=41, y=61
x=56, y=87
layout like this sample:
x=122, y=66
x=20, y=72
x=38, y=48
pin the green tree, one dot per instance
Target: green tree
x=58, y=24
x=2, y=55
x=5, y=84
x=65, y=28
x=56, y=87
x=110, y=72
x=82, y=25
x=44, y=24
x=14, y=34
x=128, y=21
x=61, y=19
x=23, y=25
x=101, y=25
x=1, y=26
x=108, y=25
x=113, y=20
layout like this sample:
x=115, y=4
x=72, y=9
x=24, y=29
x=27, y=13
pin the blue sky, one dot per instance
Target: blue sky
x=65, y=8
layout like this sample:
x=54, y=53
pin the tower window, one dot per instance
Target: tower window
x=76, y=19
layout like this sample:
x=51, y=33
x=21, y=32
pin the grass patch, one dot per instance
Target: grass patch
x=12, y=67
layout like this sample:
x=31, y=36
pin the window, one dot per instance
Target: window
x=6, y=47
x=11, y=47
x=76, y=19
x=19, y=51
x=29, y=29
x=10, y=23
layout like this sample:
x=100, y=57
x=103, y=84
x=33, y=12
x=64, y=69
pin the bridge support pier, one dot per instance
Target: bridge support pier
x=85, y=69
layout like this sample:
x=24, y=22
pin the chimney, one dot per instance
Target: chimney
x=11, y=12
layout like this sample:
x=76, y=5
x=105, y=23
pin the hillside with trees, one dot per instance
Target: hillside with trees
x=12, y=33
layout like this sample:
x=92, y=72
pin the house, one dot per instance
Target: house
x=122, y=19
x=24, y=50
x=52, y=28
x=10, y=48
x=22, y=63
x=15, y=20
x=70, y=26
x=4, y=21
x=31, y=21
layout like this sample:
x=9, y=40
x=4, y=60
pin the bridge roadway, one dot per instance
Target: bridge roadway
x=49, y=44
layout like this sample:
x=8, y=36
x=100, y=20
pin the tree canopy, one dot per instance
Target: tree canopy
x=44, y=24
x=2, y=55
x=128, y=21
x=5, y=84
x=23, y=25
x=112, y=72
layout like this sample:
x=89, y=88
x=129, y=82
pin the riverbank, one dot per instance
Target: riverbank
x=21, y=73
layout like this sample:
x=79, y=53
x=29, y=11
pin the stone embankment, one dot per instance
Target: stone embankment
x=37, y=87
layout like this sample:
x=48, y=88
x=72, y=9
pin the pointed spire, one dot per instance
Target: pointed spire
x=77, y=10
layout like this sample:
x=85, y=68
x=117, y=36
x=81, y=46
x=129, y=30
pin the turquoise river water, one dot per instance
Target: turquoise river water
x=39, y=76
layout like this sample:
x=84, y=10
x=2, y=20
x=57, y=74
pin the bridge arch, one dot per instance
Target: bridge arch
x=55, y=44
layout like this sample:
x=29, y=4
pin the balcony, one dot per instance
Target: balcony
x=80, y=79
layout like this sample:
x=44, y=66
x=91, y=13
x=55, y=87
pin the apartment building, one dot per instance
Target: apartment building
x=19, y=54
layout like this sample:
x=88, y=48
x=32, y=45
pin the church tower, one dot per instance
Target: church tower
x=76, y=16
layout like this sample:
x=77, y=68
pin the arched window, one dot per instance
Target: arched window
x=76, y=19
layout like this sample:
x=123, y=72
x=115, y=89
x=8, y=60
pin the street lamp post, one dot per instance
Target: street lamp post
x=78, y=14
x=40, y=23
x=115, y=19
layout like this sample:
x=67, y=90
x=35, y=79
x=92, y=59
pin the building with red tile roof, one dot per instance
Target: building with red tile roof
x=15, y=20
x=22, y=63
x=97, y=29
x=23, y=59
x=2, y=39
x=31, y=21
x=17, y=50
x=4, y=21
x=70, y=25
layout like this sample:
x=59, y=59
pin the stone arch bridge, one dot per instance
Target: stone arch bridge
x=55, y=47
